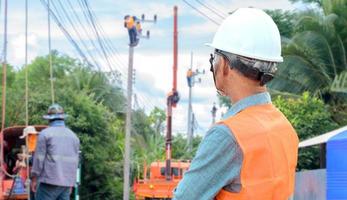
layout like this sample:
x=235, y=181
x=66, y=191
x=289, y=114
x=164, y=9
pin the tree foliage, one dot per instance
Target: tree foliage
x=315, y=58
x=284, y=20
x=92, y=101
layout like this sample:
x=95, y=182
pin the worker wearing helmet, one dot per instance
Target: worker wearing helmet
x=252, y=153
x=130, y=24
x=56, y=158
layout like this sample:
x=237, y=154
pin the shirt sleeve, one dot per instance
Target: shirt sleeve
x=213, y=166
x=39, y=156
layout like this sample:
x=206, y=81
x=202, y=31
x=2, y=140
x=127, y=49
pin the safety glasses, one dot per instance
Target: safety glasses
x=213, y=59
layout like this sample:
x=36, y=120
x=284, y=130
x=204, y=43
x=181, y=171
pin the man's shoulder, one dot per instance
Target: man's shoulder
x=56, y=130
x=219, y=132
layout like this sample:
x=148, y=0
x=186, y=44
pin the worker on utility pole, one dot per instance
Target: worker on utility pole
x=56, y=158
x=251, y=153
x=131, y=23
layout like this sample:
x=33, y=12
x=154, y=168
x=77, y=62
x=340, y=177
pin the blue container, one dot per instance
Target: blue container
x=18, y=187
x=337, y=167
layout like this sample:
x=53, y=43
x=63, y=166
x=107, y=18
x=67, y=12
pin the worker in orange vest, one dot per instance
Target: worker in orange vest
x=190, y=77
x=130, y=24
x=251, y=154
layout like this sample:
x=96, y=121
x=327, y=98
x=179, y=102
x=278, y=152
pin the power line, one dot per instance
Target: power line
x=217, y=9
x=115, y=52
x=201, y=13
x=90, y=38
x=66, y=33
x=104, y=43
x=210, y=9
x=78, y=32
x=101, y=41
x=50, y=52
x=98, y=36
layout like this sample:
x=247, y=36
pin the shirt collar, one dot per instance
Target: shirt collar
x=57, y=123
x=257, y=99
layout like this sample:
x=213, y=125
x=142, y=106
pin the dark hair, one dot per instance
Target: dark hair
x=251, y=68
x=55, y=119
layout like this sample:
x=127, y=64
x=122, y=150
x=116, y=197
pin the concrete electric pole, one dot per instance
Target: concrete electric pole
x=191, y=82
x=214, y=112
x=134, y=30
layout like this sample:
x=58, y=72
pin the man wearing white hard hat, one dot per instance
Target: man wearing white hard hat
x=252, y=153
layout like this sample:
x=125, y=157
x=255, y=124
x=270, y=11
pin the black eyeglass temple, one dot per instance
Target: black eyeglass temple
x=211, y=62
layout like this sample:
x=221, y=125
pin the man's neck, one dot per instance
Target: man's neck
x=57, y=123
x=237, y=95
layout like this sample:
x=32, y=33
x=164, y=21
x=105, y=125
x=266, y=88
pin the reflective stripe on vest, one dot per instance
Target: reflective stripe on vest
x=270, y=148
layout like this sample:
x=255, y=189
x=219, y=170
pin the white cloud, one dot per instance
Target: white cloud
x=196, y=29
x=16, y=46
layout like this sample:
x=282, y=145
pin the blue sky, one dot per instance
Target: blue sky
x=153, y=57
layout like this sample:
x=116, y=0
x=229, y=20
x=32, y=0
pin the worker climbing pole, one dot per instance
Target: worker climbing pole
x=172, y=101
x=134, y=26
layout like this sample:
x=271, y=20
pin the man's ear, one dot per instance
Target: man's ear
x=225, y=66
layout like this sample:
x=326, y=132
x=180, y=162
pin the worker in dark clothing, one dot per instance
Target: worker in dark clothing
x=56, y=158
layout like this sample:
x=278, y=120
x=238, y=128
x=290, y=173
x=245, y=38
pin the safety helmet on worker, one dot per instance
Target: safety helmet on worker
x=55, y=111
x=29, y=130
x=251, y=33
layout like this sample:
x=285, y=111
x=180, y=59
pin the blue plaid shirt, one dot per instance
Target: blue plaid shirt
x=217, y=163
x=56, y=155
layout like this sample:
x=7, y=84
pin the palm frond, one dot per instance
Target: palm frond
x=340, y=83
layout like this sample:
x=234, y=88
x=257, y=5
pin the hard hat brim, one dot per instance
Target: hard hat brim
x=278, y=60
x=25, y=135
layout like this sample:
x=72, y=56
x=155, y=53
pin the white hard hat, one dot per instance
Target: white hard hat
x=28, y=130
x=251, y=33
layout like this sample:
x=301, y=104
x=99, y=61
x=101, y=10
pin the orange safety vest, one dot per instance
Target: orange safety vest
x=32, y=140
x=130, y=22
x=270, y=148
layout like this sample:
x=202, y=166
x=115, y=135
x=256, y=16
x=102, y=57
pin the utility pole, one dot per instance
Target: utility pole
x=189, y=132
x=191, y=82
x=132, y=30
x=192, y=130
x=78, y=176
x=172, y=100
x=128, y=127
x=4, y=67
x=214, y=112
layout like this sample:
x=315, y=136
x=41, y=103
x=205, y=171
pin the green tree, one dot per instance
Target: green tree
x=91, y=116
x=318, y=2
x=284, y=20
x=179, y=147
x=157, y=118
x=315, y=57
